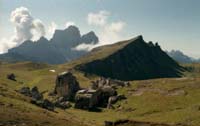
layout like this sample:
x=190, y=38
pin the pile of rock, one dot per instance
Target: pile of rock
x=33, y=93
x=37, y=98
x=102, y=93
x=62, y=103
x=101, y=82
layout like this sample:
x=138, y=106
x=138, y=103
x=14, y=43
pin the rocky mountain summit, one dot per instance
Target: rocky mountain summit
x=55, y=51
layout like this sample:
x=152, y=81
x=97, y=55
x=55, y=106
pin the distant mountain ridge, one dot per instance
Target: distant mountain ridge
x=55, y=51
x=181, y=57
x=132, y=59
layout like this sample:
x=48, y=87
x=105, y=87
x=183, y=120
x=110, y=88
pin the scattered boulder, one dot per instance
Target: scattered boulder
x=66, y=85
x=11, y=77
x=44, y=104
x=37, y=97
x=48, y=105
x=36, y=94
x=63, y=105
x=114, y=99
x=106, y=92
x=87, y=99
x=25, y=91
x=101, y=82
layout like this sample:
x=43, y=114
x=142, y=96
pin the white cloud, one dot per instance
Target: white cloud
x=85, y=47
x=69, y=23
x=116, y=26
x=25, y=25
x=25, y=28
x=51, y=29
x=98, y=19
x=109, y=32
x=5, y=44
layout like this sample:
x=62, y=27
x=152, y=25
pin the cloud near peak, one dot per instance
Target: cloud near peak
x=26, y=27
x=109, y=32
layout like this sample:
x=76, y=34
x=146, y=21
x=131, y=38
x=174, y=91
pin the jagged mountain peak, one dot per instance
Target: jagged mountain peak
x=60, y=46
x=90, y=37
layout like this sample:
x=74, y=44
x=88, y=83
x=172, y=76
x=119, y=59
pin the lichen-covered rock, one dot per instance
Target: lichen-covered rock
x=66, y=85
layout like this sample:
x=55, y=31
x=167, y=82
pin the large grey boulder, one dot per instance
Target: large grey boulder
x=106, y=92
x=66, y=85
x=87, y=99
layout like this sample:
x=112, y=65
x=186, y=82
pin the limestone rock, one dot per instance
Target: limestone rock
x=87, y=99
x=66, y=85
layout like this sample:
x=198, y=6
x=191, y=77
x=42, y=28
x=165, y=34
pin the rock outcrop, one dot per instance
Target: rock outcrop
x=87, y=99
x=102, y=93
x=66, y=85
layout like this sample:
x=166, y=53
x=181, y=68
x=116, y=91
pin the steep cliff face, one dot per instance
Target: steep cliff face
x=134, y=60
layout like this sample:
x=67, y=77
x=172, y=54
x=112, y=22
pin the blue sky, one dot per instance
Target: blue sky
x=175, y=24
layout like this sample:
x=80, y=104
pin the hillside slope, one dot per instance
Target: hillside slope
x=173, y=101
x=130, y=60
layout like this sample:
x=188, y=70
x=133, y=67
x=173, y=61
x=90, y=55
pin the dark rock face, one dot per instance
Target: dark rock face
x=25, y=91
x=90, y=38
x=137, y=60
x=11, y=77
x=36, y=94
x=106, y=93
x=55, y=51
x=33, y=93
x=66, y=85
